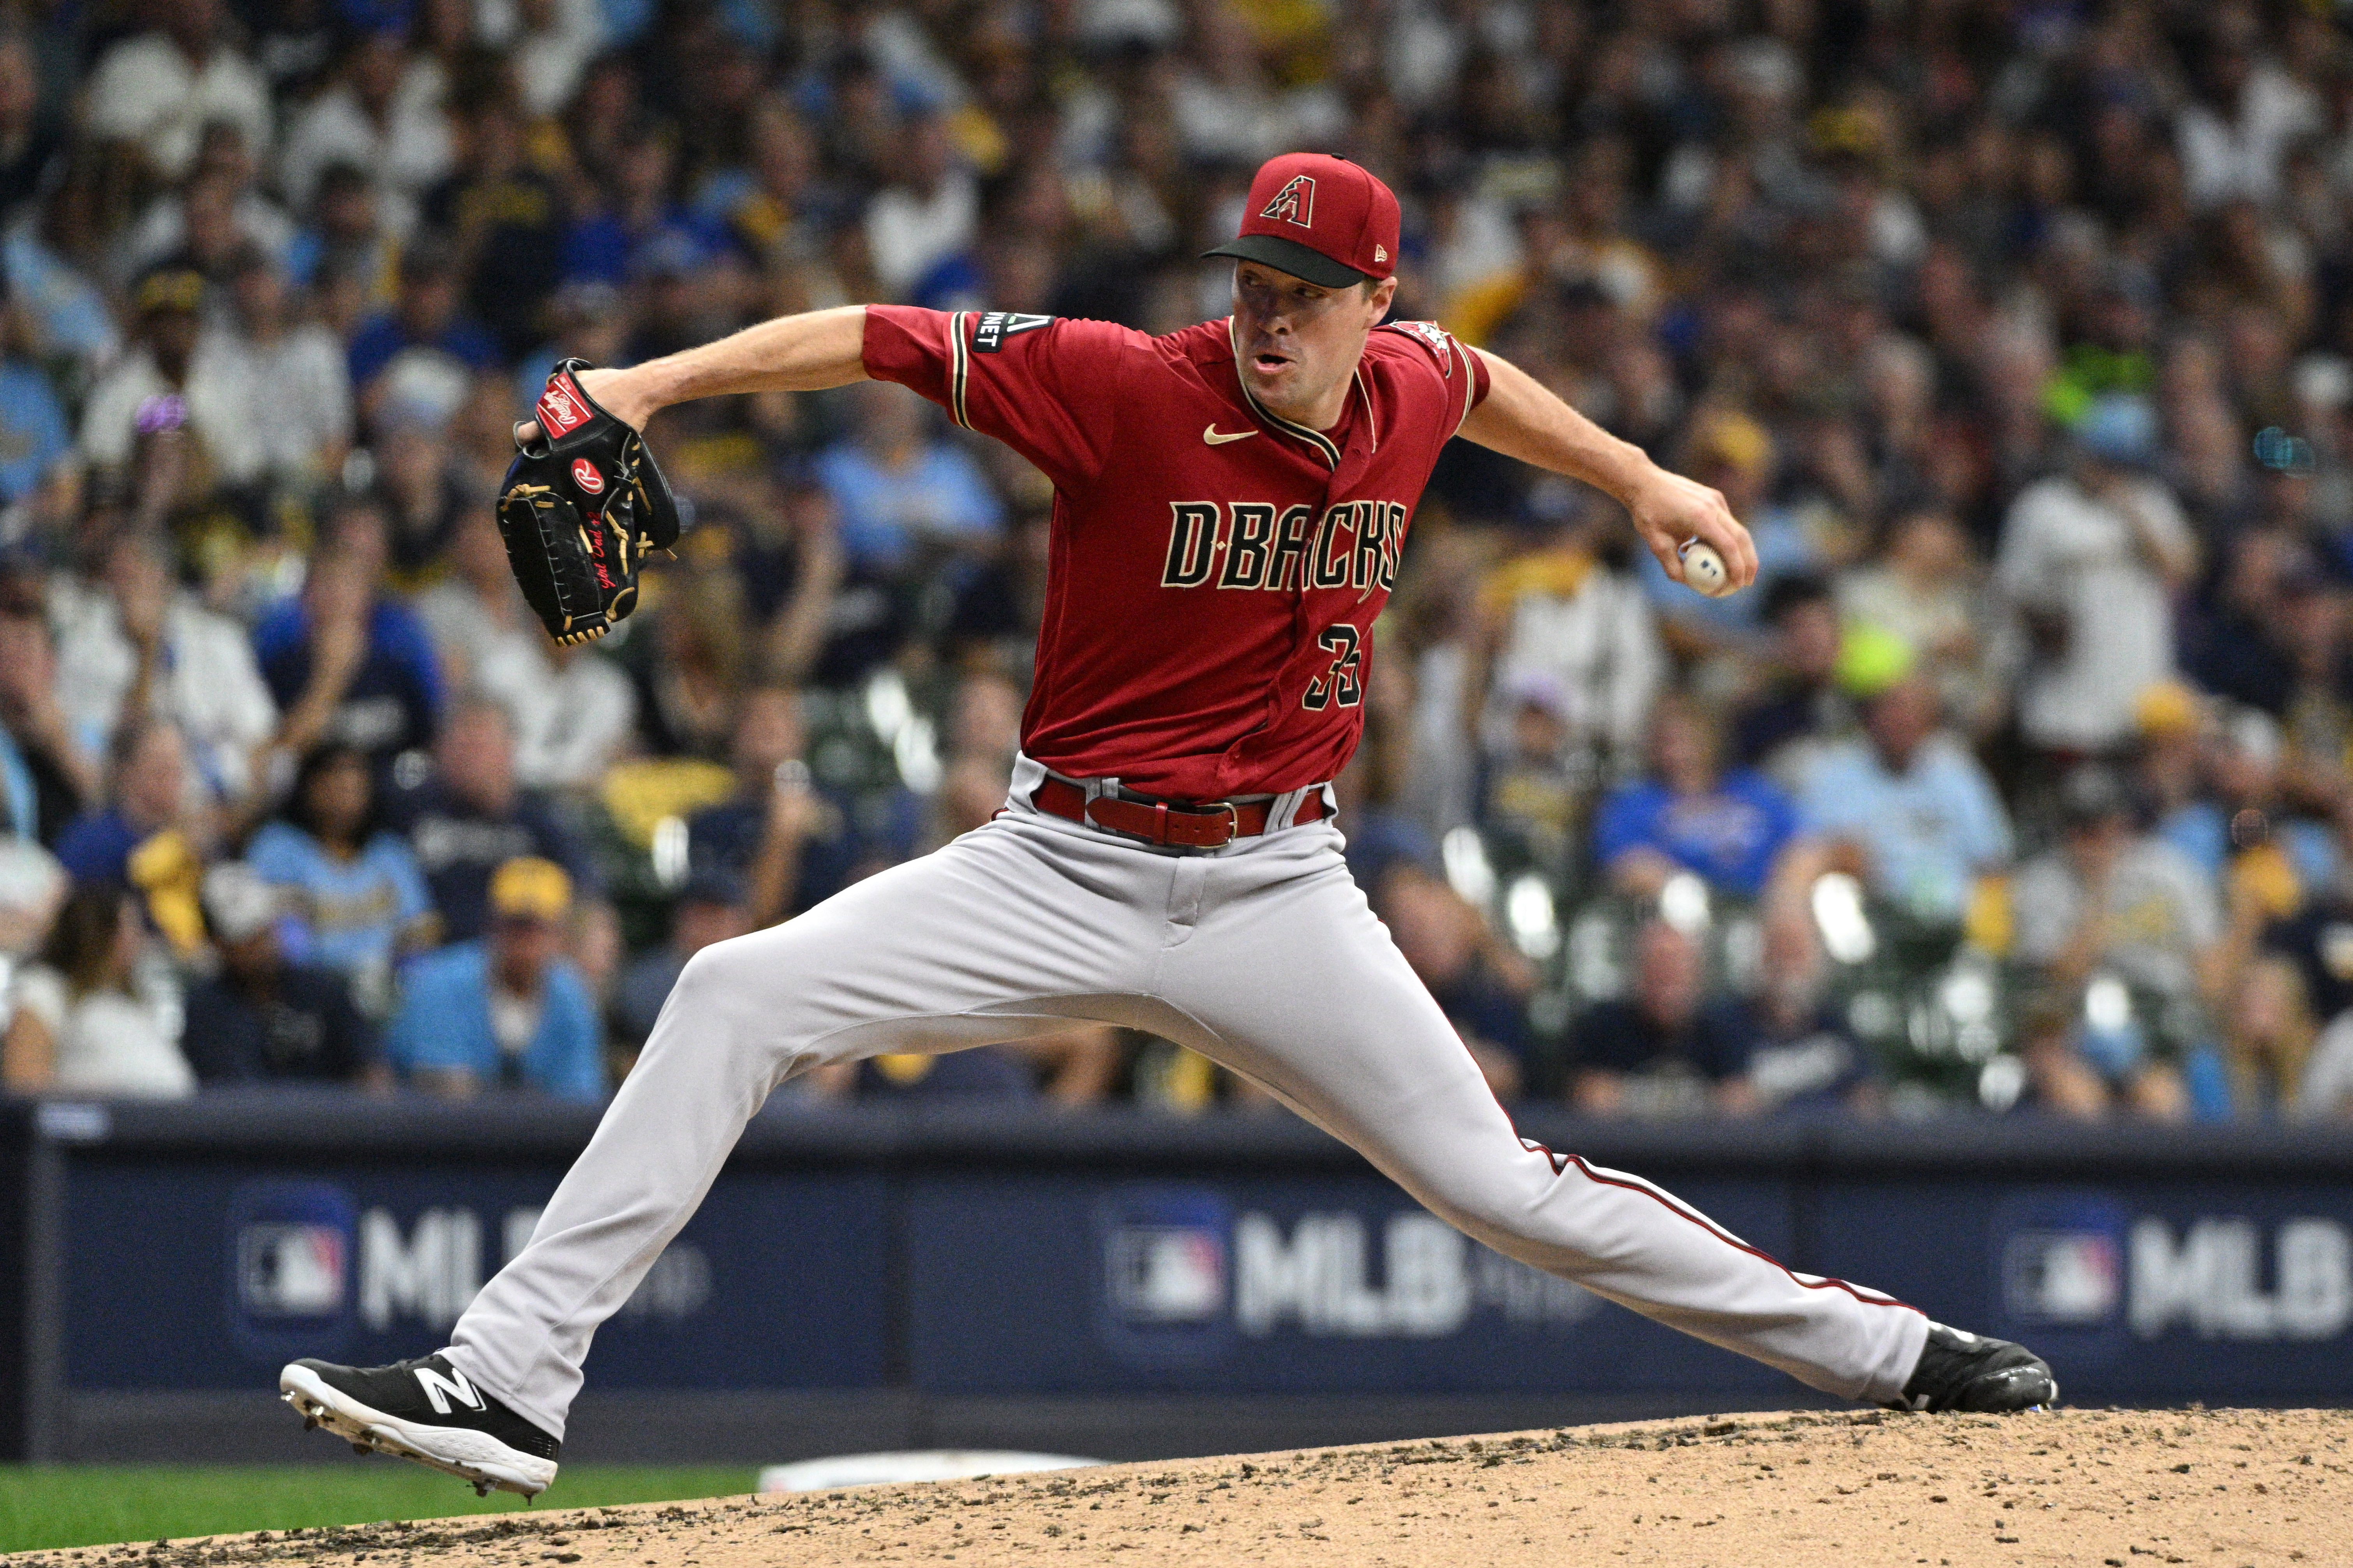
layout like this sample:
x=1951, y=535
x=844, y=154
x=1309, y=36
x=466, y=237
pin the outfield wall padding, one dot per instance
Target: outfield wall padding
x=985, y=1257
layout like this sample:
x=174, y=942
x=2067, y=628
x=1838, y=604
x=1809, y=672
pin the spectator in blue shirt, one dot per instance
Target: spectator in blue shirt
x=898, y=491
x=344, y=662
x=148, y=788
x=65, y=313
x=469, y=817
x=1914, y=801
x=356, y=899
x=1665, y=1049
x=793, y=841
x=1799, y=1053
x=426, y=315
x=262, y=1019
x=1689, y=815
x=510, y=1011
x=33, y=434
x=625, y=240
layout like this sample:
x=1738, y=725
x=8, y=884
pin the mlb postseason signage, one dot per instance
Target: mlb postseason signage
x=203, y=1252
x=1271, y=1284
x=992, y=1253
x=2231, y=1290
x=2144, y=1291
x=212, y=1275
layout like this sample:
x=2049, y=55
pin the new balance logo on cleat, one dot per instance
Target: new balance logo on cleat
x=441, y=1390
x=428, y=1412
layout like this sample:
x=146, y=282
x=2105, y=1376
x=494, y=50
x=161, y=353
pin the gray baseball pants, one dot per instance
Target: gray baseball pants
x=1262, y=956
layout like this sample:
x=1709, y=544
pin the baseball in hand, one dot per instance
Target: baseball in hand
x=1703, y=568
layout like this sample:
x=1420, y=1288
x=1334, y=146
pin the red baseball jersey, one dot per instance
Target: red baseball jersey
x=1215, y=568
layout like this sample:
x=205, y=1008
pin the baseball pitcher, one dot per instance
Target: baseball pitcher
x=1230, y=502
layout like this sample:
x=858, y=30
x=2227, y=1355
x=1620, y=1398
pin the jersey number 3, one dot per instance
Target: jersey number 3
x=1342, y=683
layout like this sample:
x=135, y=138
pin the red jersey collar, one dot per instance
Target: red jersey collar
x=1316, y=438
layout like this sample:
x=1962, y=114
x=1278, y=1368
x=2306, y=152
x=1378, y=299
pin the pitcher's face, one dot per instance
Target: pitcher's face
x=1298, y=341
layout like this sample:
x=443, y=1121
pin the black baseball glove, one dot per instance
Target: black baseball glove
x=581, y=506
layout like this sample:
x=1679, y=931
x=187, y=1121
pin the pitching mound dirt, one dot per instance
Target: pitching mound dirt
x=2122, y=1489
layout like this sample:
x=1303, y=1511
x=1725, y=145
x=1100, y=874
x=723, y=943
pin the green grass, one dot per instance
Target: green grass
x=83, y=1505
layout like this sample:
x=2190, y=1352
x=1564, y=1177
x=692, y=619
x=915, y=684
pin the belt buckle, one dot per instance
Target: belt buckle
x=1234, y=824
x=1161, y=813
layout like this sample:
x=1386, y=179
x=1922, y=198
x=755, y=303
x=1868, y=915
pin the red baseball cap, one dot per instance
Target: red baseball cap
x=1318, y=217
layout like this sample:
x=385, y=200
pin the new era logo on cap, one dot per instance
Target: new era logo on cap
x=1318, y=217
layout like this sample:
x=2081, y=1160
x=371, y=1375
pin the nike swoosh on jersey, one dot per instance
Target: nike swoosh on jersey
x=1210, y=434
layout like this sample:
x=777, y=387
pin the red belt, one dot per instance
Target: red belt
x=1192, y=826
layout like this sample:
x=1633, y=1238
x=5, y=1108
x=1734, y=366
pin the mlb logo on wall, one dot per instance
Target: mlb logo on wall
x=290, y=1268
x=2061, y=1272
x=2069, y=1278
x=291, y=1271
x=1167, y=1273
x=1166, y=1264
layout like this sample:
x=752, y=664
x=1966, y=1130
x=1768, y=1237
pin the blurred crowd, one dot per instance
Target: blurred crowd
x=2020, y=334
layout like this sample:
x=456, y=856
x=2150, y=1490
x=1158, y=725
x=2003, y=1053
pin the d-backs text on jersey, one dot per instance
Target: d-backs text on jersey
x=1251, y=545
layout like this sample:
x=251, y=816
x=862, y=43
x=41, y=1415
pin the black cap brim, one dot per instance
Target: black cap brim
x=1290, y=256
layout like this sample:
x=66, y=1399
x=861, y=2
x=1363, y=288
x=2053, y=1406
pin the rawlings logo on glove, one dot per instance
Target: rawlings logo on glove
x=582, y=505
x=563, y=407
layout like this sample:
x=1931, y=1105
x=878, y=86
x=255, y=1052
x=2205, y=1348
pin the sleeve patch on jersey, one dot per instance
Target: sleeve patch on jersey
x=996, y=326
x=1437, y=339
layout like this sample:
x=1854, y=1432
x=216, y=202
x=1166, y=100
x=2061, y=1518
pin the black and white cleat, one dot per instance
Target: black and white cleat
x=1961, y=1370
x=428, y=1412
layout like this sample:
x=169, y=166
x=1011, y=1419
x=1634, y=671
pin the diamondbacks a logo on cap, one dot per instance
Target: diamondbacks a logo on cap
x=1296, y=203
